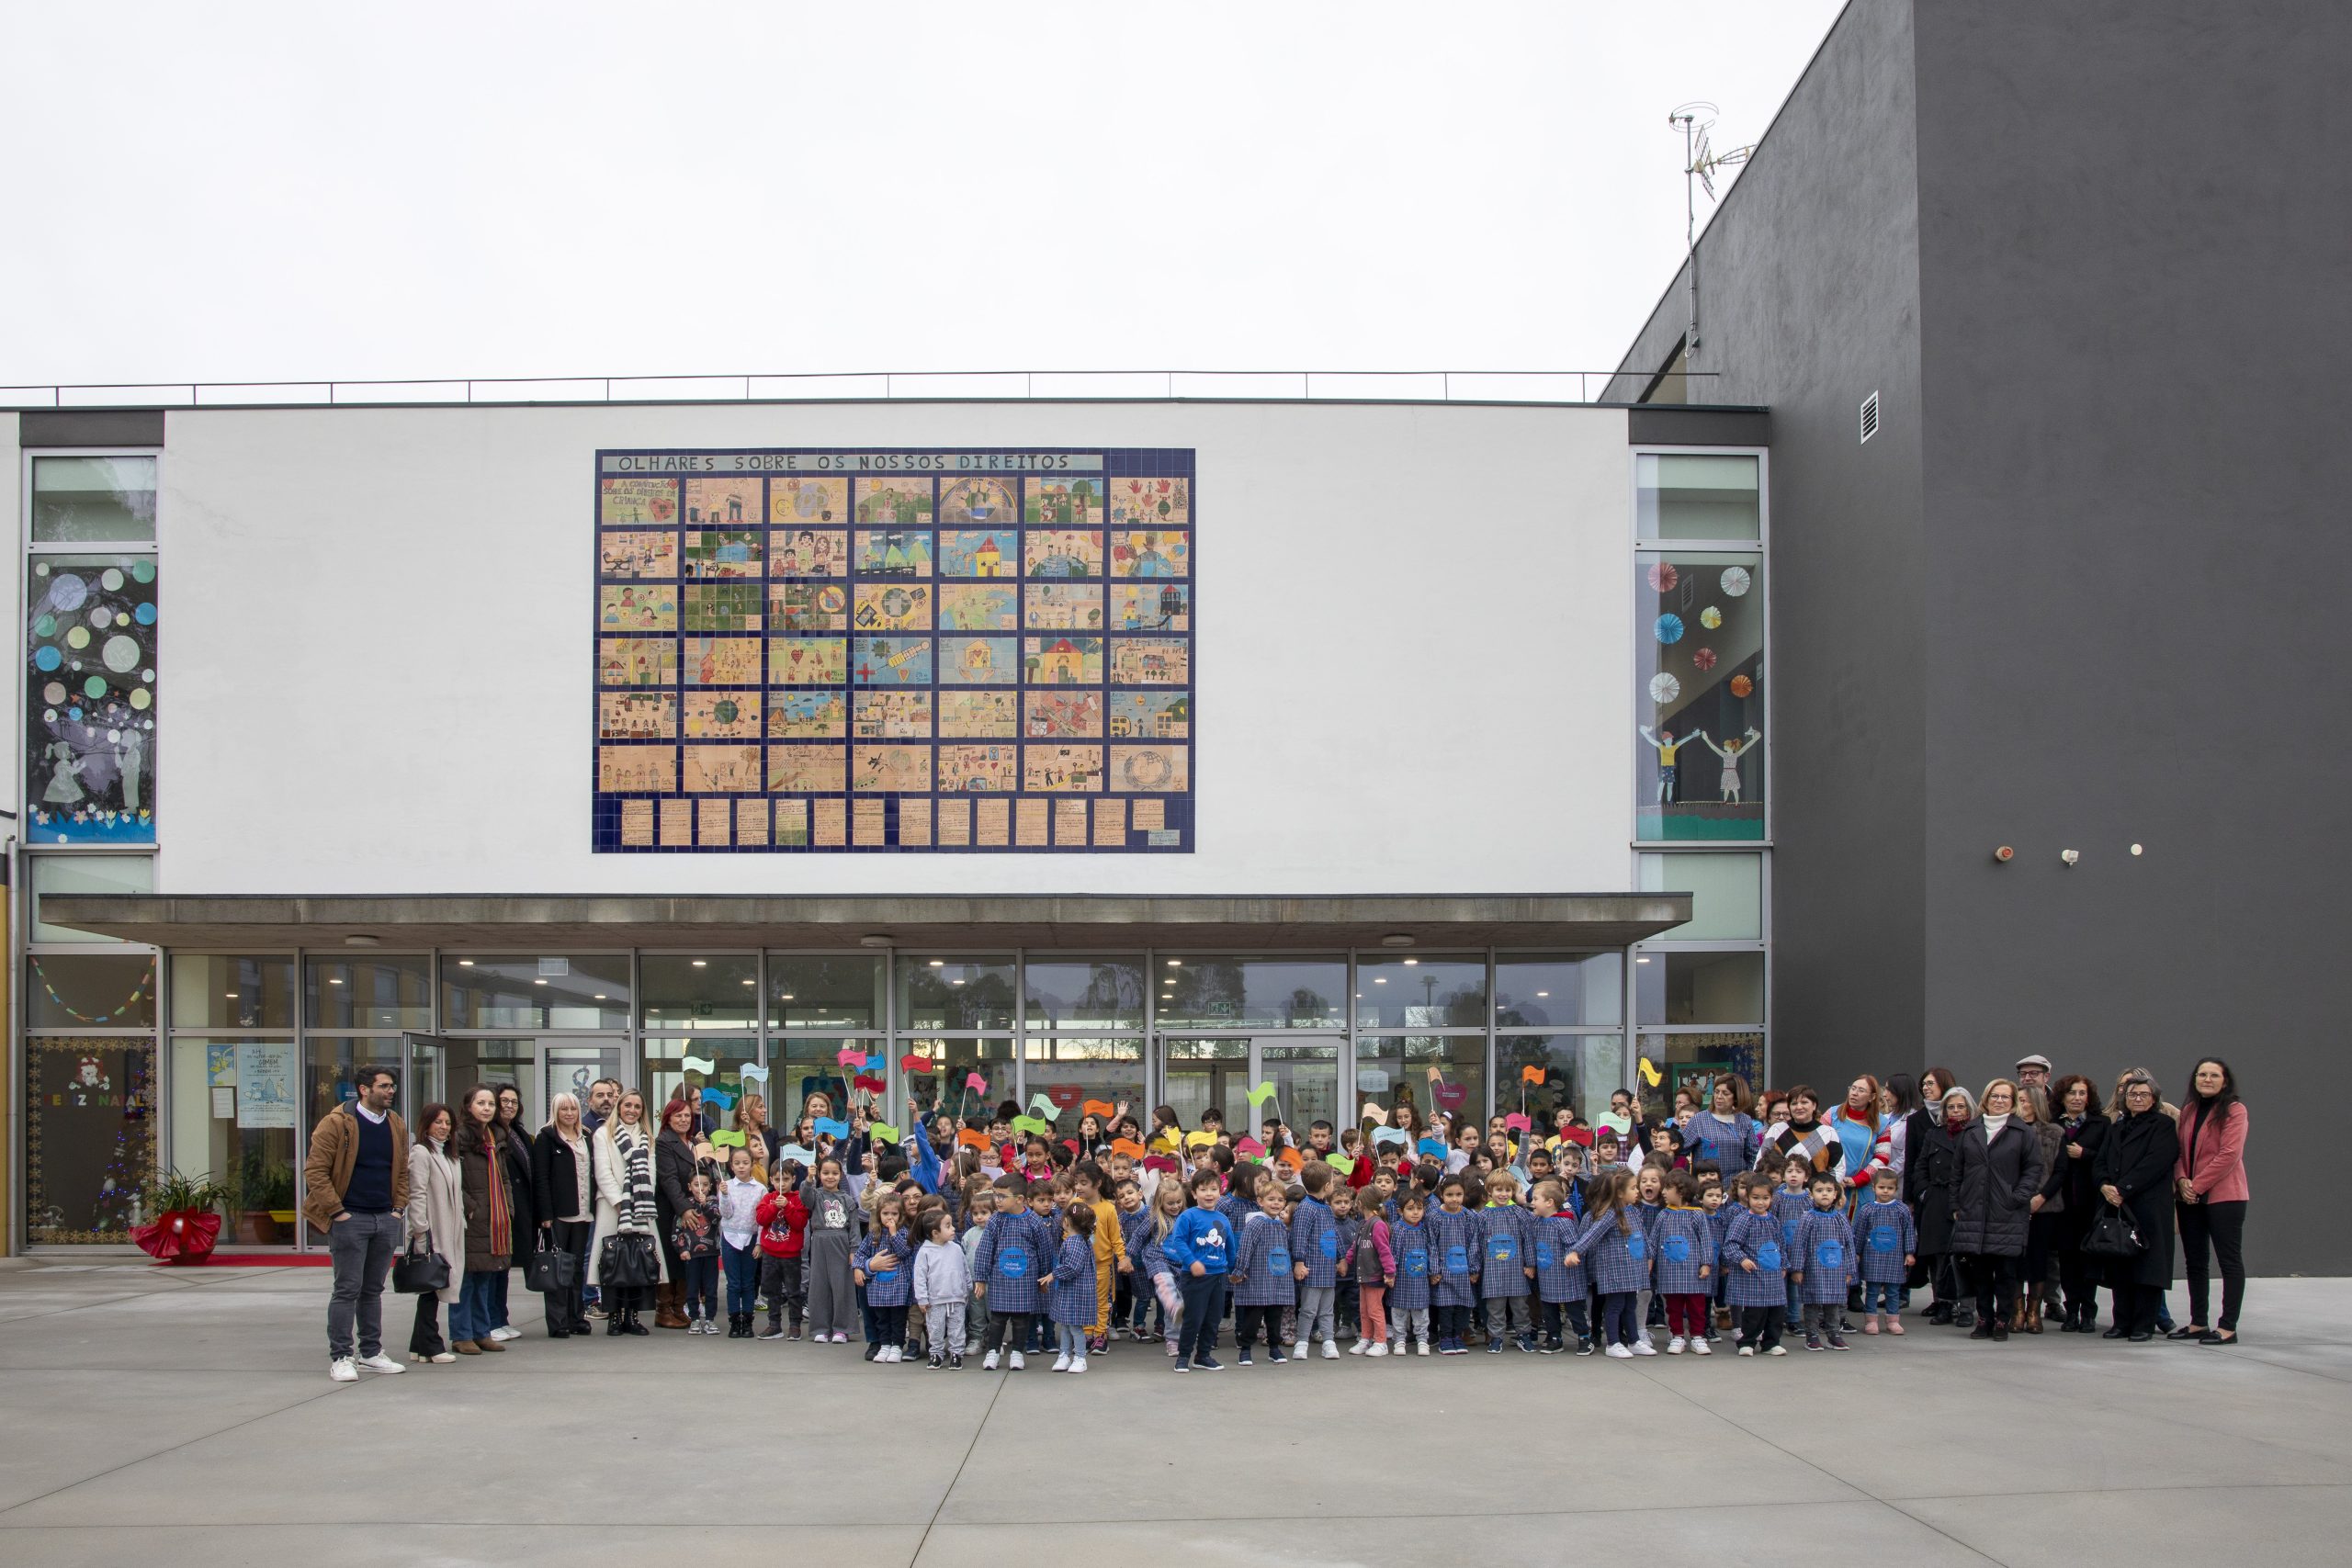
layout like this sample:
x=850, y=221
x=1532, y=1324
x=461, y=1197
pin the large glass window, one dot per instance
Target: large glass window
x=1085, y=993
x=90, y=753
x=1699, y=665
x=590, y=992
x=1200, y=1074
x=1252, y=993
x=233, y=1112
x=1534, y=990
x=1673, y=988
x=718, y=992
x=1432, y=992
x=90, y=1118
x=90, y=991
x=1697, y=1056
x=805, y=1064
x=823, y=991
x=954, y=993
x=1578, y=1070
x=1071, y=1070
x=329, y=1067
x=1428, y=1072
x=218, y=990
x=374, y=992
x=709, y=1065
x=94, y=500
x=1697, y=496
x=70, y=874
x=1726, y=893
x=948, y=1085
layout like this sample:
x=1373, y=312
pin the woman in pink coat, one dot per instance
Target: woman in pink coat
x=2208, y=1184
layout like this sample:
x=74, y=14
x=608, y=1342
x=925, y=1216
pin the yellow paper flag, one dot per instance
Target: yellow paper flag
x=1649, y=1073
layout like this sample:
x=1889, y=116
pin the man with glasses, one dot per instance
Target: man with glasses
x=356, y=1191
x=603, y=1095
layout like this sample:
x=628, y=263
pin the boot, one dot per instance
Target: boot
x=668, y=1311
x=2033, y=1310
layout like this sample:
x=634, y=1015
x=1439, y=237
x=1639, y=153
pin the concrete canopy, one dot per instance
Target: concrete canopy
x=1068, y=922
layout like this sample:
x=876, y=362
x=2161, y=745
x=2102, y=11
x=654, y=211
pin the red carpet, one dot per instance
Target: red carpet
x=269, y=1260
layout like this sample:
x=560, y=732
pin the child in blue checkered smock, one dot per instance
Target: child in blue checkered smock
x=1886, y=1237
x=1684, y=1245
x=1506, y=1269
x=1616, y=1252
x=1314, y=1242
x=884, y=1264
x=1454, y=1252
x=1072, y=1298
x=1825, y=1258
x=1014, y=1250
x=1263, y=1280
x=1409, y=1298
x=1792, y=1201
x=1755, y=1274
x=1720, y=1209
x=1560, y=1286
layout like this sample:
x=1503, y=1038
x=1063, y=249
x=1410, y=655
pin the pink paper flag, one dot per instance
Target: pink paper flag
x=850, y=1057
x=976, y=1083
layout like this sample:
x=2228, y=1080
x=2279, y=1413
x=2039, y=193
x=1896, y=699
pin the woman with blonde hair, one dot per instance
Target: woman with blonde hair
x=563, y=1189
x=2046, y=1226
x=622, y=1161
x=2134, y=1171
x=2000, y=1172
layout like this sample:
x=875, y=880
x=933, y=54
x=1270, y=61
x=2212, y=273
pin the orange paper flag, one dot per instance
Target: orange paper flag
x=1533, y=1075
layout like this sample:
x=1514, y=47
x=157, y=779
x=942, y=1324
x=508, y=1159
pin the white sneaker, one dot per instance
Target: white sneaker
x=1699, y=1348
x=1061, y=1362
x=840, y=1338
x=380, y=1362
x=1618, y=1353
x=889, y=1353
x=1778, y=1350
x=445, y=1358
x=1016, y=1362
x=988, y=1362
x=1676, y=1346
x=1747, y=1349
x=1330, y=1352
x=1079, y=1365
x=1362, y=1347
x=506, y=1332
x=344, y=1370
x=1424, y=1348
x=1644, y=1347
x=1379, y=1347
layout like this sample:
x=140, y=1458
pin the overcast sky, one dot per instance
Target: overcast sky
x=231, y=192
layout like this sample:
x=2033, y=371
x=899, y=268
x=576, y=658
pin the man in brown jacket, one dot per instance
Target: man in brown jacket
x=355, y=1192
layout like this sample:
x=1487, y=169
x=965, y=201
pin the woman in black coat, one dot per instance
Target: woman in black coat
x=2000, y=1171
x=2134, y=1169
x=673, y=1172
x=2074, y=1104
x=1932, y=1186
x=563, y=1189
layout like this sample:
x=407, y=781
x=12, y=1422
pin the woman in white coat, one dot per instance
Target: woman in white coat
x=436, y=1224
x=623, y=1162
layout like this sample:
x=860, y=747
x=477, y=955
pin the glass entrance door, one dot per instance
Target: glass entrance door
x=1306, y=1075
x=446, y=1070
x=1198, y=1074
x=1303, y=1070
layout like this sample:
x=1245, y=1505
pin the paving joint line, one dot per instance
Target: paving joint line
x=159, y=1453
x=969, y=1449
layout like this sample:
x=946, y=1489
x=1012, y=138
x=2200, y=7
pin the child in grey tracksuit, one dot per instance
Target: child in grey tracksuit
x=942, y=1283
x=831, y=1236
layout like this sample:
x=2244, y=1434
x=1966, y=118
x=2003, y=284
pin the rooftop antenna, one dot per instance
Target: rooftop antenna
x=1699, y=164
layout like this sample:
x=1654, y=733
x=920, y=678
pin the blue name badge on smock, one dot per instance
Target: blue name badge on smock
x=1013, y=1262
x=1457, y=1260
x=1330, y=1244
x=1417, y=1264
x=1278, y=1259
x=1636, y=1248
x=1768, y=1255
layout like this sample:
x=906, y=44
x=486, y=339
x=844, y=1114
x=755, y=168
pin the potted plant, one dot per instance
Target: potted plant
x=187, y=1224
x=263, y=1199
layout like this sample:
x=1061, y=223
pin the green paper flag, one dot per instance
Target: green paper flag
x=1341, y=1163
x=882, y=1132
x=1032, y=1124
x=1262, y=1093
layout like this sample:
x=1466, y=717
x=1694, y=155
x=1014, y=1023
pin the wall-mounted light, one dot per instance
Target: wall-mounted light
x=2070, y=856
x=2135, y=849
x=2005, y=854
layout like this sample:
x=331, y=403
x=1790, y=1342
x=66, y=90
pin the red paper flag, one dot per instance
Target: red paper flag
x=917, y=1065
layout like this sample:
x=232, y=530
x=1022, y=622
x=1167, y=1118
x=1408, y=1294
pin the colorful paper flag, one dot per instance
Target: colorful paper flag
x=1433, y=1147
x=882, y=1132
x=1161, y=1163
x=1518, y=1122
x=1128, y=1147
x=1102, y=1107
x=976, y=1083
x=1248, y=1146
x=917, y=1065
x=870, y=1085
x=726, y=1138
x=718, y=1099
x=1037, y=1124
x=1532, y=1074
x=832, y=1127
x=1200, y=1140
x=877, y=1063
x=753, y=1072
x=698, y=1064
x=1041, y=1104
x=969, y=1139
x=1341, y=1163
x=795, y=1152
x=1650, y=1074
x=1262, y=1093
x=1396, y=1135
x=848, y=1057
x=1372, y=1112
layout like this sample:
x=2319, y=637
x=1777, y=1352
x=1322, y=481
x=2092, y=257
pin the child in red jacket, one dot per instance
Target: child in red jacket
x=783, y=1230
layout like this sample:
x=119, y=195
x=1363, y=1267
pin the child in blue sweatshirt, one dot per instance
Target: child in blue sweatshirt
x=1264, y=1280
x=1072, y=1298
x=1887, y=1239
x=1201, y=1246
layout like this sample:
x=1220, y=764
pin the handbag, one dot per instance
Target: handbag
x=628, y=1262
x=550, y=1270
x=420, y=1273
x=2113, y=1235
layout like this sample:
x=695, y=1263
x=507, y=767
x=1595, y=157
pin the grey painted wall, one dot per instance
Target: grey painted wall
x=1809, y=287
x=2079, y=591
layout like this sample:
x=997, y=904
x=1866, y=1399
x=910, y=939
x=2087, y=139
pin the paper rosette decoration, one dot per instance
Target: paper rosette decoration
x=1711, y=617
x=184, y=1235
x=1741, y=685
x=1735, y=581
x=1663, y=576
x=1665, y=688
x=1669, y=628
x=1703, y=658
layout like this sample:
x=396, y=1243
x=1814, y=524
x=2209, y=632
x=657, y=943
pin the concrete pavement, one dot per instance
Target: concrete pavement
x=155, y=1414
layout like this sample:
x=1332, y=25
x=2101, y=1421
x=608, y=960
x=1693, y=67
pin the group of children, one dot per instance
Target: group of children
x=1409, y=1256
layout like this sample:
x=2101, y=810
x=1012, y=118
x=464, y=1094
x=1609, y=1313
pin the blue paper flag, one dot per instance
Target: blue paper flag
x=718, y=1099
x=1433, y=1147
x=876, y=1065
x=831, y=1128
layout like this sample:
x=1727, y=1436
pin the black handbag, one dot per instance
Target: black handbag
x=550, y=1270
x=420, y=1273
x=628, y=1262
x=2113, y=1235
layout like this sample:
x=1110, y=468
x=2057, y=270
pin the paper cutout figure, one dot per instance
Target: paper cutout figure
x=882, y=1132
x=1729, y=751
x=917, y=1065
x=1262, y=1093
x=698, y=1064
x=1396, y=1135
x=1670, y=755
x=727, y=1138
x=831, y=1127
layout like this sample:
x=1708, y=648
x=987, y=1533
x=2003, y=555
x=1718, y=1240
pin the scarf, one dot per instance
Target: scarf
x=1993, y=1126
x=637, y=1165
x=502, y=1217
